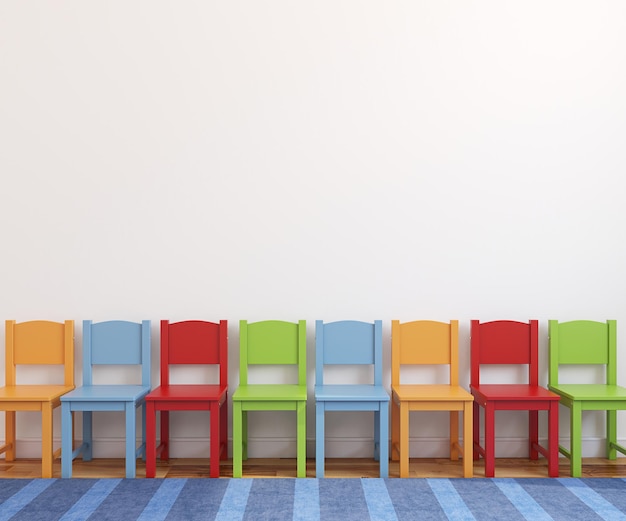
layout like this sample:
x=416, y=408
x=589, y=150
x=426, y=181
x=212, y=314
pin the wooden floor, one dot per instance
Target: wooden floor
x=345, y=468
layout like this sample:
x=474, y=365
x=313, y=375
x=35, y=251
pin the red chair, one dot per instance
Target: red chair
x=508, y=342
x=190, y=342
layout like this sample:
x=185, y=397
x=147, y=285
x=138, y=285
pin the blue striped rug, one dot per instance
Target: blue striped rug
x=257, y=499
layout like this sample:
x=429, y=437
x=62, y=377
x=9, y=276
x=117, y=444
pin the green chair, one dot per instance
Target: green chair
x=270, y=342
x=584, y=342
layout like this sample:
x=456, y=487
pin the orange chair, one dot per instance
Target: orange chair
x=425, y=342
x=36, y=342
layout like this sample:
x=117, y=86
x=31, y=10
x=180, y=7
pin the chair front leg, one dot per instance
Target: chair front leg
x=395, y=430
x=553, y=439
x=576, y=440
x=490, y=440
x=46, y=440
x=150, y=439
x=301, y=439
x=476, y=431
x=131, y=439
x=319, y=439
x=404, y=440
x=67, y=434
x=468, y=442
x=215, y=442
x=237, y=440
x=383, y=439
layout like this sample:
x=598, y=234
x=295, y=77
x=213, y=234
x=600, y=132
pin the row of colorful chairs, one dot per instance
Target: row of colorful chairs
x=272, y=342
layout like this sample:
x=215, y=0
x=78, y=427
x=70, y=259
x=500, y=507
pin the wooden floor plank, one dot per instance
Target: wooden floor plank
x=335, y=468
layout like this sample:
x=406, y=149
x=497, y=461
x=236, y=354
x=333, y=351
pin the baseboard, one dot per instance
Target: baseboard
x=335, y=447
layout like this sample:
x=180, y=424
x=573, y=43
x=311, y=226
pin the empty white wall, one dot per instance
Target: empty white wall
x=322, y=160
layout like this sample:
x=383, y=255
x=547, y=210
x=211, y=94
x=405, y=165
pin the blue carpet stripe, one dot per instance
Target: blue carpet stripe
x=163, y=500
x=22, y=498
x=558, y=502
x=306, y=500
x=522, y=500
x=91, y=500
x=233, y=505
x=449, y=499
x=378, y=501
x=593, y=500
x=485, y=500
x=343, y=499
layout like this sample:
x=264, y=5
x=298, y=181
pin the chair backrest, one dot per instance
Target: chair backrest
x=349, y=342
x=425, y=342
x=583, y=342
x=39, y=342
x=194, y=342
x=504, y=342
x=272, y=342
x=116, y=342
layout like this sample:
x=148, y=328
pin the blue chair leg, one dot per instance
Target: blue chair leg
x=377, y=435
x=66, y=440
x=319, y=439
x=131, y=434
x=87, y=436
x=384, y=440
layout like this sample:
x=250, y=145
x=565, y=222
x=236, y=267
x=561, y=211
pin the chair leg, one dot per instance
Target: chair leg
x=224, y=430
x=553, y=439
x=404, y=440
x=476, y=429
x=131, y=436
x=454, y=435
x=150, y=439
x=533, y=434
x=377, y=435
x=611, y=434
x=383, y=439
x=87, y=435
x=237, y=439
x=10, y=435
x=67, y=434
x=244, y=435
x=165, y=435
x=143, y=431
x=395, y=430
x=214, y=471
x=301, y=439
x=468, y=442
x=490, y=443
x=46, y=440
x=319, y=439
x=576, y=440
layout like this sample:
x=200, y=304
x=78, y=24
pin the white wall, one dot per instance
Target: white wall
x=322, y=160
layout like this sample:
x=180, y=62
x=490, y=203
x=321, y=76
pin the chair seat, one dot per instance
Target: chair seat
x=591, y=391
x=513, y=392
x=276, y=392
x=103, y=393
x=436, y=392
x=350, y=392
x=187, y=392
x=33, y=393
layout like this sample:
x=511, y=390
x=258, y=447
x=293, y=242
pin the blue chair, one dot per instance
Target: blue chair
x=350, y=342
x=108, y=343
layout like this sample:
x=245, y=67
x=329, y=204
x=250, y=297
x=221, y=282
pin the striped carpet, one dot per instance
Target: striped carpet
x=257, y=499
